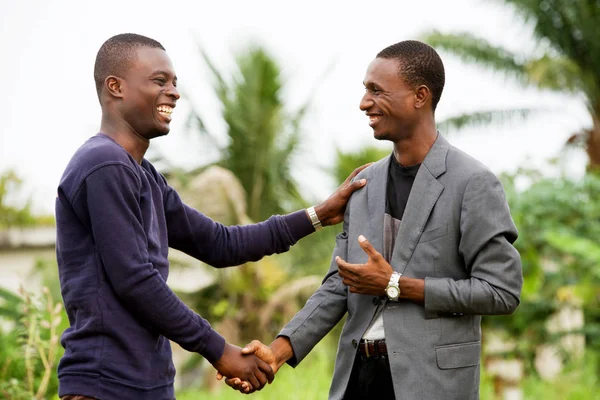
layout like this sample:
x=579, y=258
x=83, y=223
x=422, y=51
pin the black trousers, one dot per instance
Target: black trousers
x=371, y=378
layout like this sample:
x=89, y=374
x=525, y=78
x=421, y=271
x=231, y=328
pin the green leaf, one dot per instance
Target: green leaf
x=483, y=118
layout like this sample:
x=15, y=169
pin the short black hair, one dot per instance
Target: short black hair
x=419, y=64
x=117, y=55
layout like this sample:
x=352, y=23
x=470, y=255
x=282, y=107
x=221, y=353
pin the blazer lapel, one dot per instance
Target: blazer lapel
x=424, y=194
x=376, y=194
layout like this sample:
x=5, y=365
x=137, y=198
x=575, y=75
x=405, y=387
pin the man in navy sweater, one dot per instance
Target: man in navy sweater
x=116, y=219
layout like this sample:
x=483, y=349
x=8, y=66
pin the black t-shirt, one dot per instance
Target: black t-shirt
x=400, y=181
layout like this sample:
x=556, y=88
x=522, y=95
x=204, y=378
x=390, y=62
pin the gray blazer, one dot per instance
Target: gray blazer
x=457, y=234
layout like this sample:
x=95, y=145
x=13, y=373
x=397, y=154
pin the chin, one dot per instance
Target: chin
x=381, y=135
x=158, y=133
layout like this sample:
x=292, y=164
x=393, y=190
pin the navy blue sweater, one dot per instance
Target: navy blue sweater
x=116, y=220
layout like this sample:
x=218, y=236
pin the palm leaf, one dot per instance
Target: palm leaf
x=10, y=304
x=477, y=50
x=555, y=73
x=483, y=118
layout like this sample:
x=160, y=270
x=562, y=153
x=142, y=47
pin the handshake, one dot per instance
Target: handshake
x=250, y=368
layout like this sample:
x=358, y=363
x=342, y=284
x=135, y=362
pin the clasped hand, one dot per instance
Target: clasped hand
x=248, y=367
x=252, y=349
x=370, y=278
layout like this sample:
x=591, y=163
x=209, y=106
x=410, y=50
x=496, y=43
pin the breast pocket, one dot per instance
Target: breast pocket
x=433, y=234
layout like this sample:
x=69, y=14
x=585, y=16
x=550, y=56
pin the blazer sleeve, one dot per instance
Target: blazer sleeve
x=323, y=310
x=486, y=245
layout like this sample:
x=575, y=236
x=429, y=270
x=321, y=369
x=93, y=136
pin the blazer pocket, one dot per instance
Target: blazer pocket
x=458, y=355
x=433, y=234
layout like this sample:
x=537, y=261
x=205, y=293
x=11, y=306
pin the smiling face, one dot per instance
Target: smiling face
x=389, y=102
x=149, y=93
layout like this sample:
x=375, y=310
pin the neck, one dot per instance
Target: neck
x=412, y=149
x=122, y=133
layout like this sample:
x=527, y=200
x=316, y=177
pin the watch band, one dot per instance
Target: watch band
x=395, y=279
x=393, y=288
x=314, y=219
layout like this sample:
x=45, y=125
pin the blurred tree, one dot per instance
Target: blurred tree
x=567, y=60
x=251, y=301
x=346, y=162
x=558, y=224
x=17, y=215
x=10, y=184
x=262, y=135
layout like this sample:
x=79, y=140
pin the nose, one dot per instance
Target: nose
x=174, y=93
x=366, y=102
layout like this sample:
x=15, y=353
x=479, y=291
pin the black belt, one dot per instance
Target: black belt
x=372, y=348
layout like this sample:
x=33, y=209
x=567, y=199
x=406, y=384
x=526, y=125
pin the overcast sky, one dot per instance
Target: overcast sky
x=49, y=105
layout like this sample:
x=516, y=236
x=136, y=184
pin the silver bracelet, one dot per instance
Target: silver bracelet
x=314, y=219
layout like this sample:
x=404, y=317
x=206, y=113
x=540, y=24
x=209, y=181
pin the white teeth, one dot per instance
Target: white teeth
x=165, y=109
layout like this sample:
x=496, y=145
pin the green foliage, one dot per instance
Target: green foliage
x=578, y=381
x=482, y=118
x=557, y=221
x=10, y=183
x=30, y=350
x=346, y=162
x=11, y=215
x=471, y=48
x=312, y=379
x=262, y=135
x=312, y=255
x=10, y=305
x=567, y=58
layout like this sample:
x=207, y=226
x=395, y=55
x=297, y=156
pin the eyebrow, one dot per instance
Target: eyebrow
x=161, y=72
x=371, y=84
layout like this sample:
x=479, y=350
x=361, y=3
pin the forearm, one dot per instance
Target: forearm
x=154, y=303
x=412, y=289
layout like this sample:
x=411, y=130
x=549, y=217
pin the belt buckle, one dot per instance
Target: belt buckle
x=367, y=341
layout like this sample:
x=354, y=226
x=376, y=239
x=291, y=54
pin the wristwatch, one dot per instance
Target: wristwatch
x=393, y=289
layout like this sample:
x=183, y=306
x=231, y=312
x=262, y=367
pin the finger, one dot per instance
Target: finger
x=254, y=381
x=266, y=368
x=245, y=387
x=356, y=171
x=235, y=383
x=252, y=347
x=368, y=248
x=349, y=189
x=262, y=378
x=345, y=268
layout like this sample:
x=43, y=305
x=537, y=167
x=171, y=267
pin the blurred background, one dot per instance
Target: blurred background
x=269, y=123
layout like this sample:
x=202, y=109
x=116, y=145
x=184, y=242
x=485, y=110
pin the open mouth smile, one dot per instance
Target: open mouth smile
x=165, y=111
x=374, y=119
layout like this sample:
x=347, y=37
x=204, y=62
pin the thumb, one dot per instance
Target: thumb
x=367, y=247
x=219, y=376
x=252, y=347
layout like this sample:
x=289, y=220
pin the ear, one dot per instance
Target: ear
x=114, y=86
x=422, y=96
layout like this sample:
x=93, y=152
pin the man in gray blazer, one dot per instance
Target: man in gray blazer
x=425, y=251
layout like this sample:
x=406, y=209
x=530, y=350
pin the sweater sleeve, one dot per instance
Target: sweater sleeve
x=221, y=246
x=112, y=193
